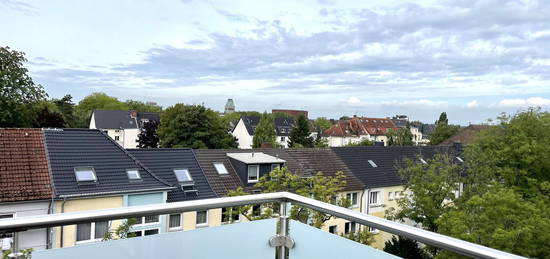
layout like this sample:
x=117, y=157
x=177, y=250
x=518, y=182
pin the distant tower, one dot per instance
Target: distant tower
x=229, y=106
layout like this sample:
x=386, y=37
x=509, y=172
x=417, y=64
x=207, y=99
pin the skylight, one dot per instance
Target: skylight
x=372, y=163
x=133, y=174
x=85, y=174
x=460, y=159
x=220, y=168
x=423, y=161
x=183, y=175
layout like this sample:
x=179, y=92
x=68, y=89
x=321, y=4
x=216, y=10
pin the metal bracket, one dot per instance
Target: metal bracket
x=278, y=240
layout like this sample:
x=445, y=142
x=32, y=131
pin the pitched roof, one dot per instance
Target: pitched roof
x=387, y=161
x=71, y=148
x=113, y=119
x=465, y=135
x=23, y=166
x=283, y=125
x=358, y=126
x=163, y=161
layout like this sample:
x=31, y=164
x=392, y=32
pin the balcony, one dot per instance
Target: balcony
x=271, y=238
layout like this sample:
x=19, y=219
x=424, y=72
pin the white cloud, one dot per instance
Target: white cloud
x=472, y=104
x=354, y=101
x=529, y=102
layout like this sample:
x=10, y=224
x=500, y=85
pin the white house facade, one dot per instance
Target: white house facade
x=122, y=126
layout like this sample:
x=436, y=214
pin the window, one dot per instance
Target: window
x=183, y=175
x=91, y=231
x=253, y=173
x=332, y=229
x=423, y=161
x=373, y=198
x=350, y=227
x=256, y=210
x=117, y=138
x=220, y=168
x=202, y=218
x=174, y=221
x=352, y=197
x=372, y=163
x=230, y=214
x=275, y=166
x=133, y=174
x=85, y=174
x=6, y=216
x=282, y=139
x=460, y=159
x=149, y=232
x=390, y=196
x=147, y=220
x=373, y=230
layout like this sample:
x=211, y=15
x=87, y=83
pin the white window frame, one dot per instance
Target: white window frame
x=352, y=227
x=377, y=198
x=187, y=173
x=82, y=168
x=335, y=229
x=349, y=195
x=373, y=230
x=131, y=170
x=142, y=231
x=423, y=161
x=199, y=225
x=460, y=159
x=231, y=220
x=180, y=227
x=257, y=173
x=92, y=234
x=391, y=196
x=372, y=163
x=142, y=222
x=117, y=138
x=224, y=172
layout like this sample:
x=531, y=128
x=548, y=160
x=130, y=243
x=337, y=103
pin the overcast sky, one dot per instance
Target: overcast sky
x=473, y=59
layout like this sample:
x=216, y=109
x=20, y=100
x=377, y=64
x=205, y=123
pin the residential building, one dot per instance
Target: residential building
x=246, y=127
x=122, y=126
x=465, y=135
x=356, y=129
x=25, y=185
x=91, y=171
x=291, y=113
x=421, y=132
x=229, y=106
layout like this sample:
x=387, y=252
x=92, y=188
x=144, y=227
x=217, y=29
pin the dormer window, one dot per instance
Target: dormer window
x=460, y=159
x=133, y=174
x=85, y=174
x=372, y=163
x=423, y=161
x=183, y=175
x=220, y=168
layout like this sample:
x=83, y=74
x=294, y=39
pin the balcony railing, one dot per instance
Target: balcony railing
x=283, y=241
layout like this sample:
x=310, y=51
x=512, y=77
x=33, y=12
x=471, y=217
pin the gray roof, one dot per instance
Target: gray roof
x=162, y=162
x=283, y=125
x=387, y=159
x=70, y=148
x=108, y=119
x=400, y=123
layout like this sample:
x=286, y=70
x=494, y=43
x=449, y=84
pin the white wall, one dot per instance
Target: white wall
x=37, y=238
x=92, y=121
x=240, y=132
x=129, y=138
x=342, y=141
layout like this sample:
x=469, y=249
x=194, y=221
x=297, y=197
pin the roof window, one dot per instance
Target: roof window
x=133, y=174
x=372, y=163
x=220, y=168
x=85, y=174
x=183, y=175
x=423, y=161
x=460, y=159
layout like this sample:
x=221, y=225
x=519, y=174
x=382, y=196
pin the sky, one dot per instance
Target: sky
x=471, y=59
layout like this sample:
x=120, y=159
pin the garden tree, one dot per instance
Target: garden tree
x=141, y=106
x=122, y=231
x=404, y=248
x=18, y=92
x=400, y=137
x=363, y=236
x=432, y=184
x=66, y=107
x=265, y=132
x=49, y=118
x=323, y=123
x=148, y=137
x=299, y=136
x=97, y=101
x=362, y=143
x=230, y=120
x=320, y=141
x=193, y=126
x=500, y=219
x=442, y=130
x=514, y=153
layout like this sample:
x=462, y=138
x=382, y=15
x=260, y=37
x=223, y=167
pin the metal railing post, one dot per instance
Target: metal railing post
x=15, y=250
x=283, y=229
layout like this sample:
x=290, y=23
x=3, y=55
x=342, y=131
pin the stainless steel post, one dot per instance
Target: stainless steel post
x=283, y=229
x=15, y=246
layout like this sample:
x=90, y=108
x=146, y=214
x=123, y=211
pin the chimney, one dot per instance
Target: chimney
x=133, y=114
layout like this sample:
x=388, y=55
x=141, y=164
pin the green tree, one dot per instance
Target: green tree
x=66, y=107
x=323, y=123
x=18, y=92
x=96, y=101
x=49, y=118
x=363, y=236
x=148, y=137
x=442, y=130
x=500, y=219
x=141, y=106
x=300, y=136
x=265, y=132
x=405, y=248
x=193, y=126
x=400, y=137
x=363, y=143
x=122, y=231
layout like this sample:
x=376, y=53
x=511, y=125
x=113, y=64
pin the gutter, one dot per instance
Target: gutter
x=113, y=192
x=62, y=211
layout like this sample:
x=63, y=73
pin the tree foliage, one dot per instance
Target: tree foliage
x=405, y=248
x=400, y=137
x=148, y=137
x=141, y=106
x=442, y=130
x=363, y=143
x=265, y=132
x=49, y=118
x=66, y=107
x=323, y=123
x=300, y=136
x=363, y=236
x=18, y=92
x=193, y=126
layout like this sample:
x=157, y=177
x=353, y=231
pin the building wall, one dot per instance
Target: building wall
x=69, y=232
x=283, y=141
x=37, y=238
x=343, y=141
x=379, y=210
x=147, y=199
x=240, y=132
x=130, y=137
x=340, y=223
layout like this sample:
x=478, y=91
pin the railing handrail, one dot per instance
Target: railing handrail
x=423, y=236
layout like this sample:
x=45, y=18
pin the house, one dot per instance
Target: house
x=356, y=129
x=246, y=126
x=465, y=135
x=378, y=170
x=122, y=126
x=91, y=171
x=168, y=164
x=25, y=185
x=421, y=132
